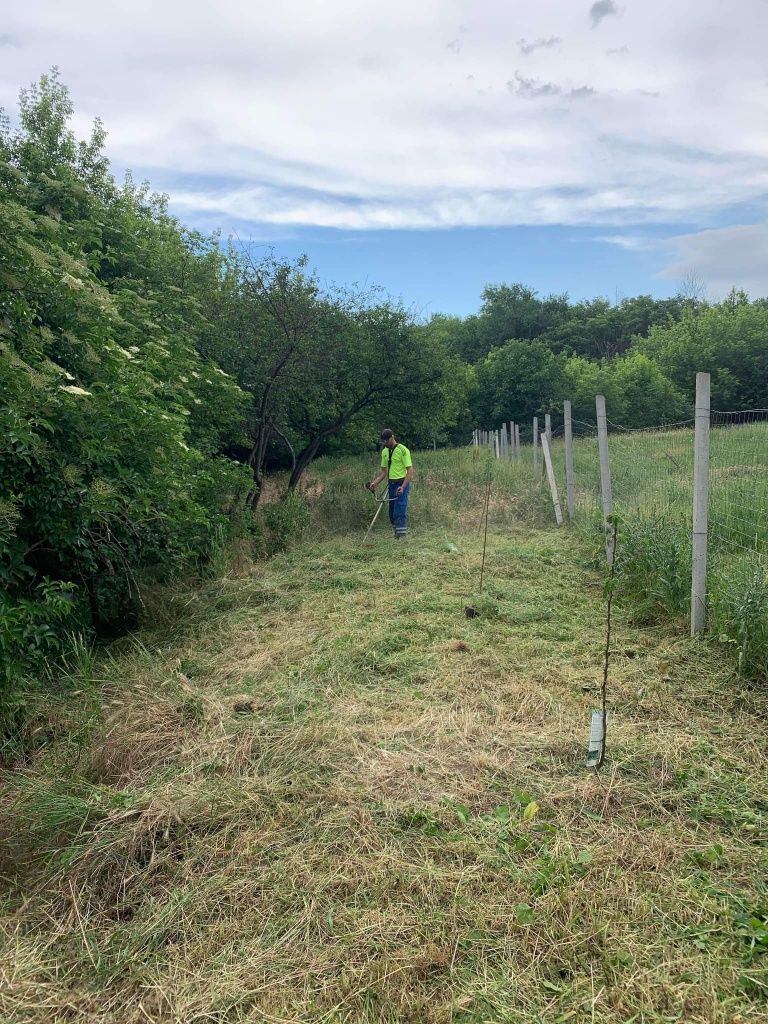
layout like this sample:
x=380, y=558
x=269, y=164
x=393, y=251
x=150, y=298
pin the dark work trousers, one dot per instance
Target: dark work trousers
x=398, y=508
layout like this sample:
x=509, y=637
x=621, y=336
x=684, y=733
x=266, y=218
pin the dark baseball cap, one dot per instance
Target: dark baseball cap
x=386, y=434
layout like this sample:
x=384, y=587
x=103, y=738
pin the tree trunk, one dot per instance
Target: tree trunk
x=303, y=461
x=256, y=462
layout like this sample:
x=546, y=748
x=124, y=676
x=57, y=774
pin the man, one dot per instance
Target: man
x=397, y=470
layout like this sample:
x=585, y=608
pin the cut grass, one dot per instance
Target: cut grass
x=317, y=792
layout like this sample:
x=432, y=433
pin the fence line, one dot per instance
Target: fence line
x=699, y=483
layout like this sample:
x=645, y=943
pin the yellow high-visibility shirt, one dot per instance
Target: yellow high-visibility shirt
x=401, y=461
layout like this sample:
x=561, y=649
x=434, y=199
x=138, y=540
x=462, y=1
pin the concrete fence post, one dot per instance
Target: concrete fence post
x=605, y=474
x=535, y=442
x=551, y=477
x=700, y=505
x=570, y=483
x=517, y=440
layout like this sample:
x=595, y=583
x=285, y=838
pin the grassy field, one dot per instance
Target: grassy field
x=652, y=474
x=652, y=478
x=312, y=790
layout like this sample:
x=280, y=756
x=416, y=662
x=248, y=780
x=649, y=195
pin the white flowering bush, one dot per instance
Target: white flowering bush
x=111, y=422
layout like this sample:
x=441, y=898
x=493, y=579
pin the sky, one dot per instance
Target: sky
x=435, y=146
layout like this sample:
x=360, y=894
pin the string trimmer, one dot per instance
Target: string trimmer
x=381, y=503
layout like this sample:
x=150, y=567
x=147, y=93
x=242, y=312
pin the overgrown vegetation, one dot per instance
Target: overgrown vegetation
x=315, y=791
x=148, y=375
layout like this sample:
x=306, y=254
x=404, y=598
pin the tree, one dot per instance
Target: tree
x=637, y=394
x=728, y=340
x=269, y=324
x=516, y=382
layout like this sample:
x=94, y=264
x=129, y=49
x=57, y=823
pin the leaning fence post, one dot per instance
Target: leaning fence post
x=570, y=486
x=535, y=442
x=605, y=474
x=548, y=432
x=551, y=477
x=700, y=505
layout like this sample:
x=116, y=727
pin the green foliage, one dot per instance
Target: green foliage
x=653, y=567
x=637, y=393
x=284, y=522
x=523, y=379
x=729, y=340
x=111, y=417
x=739, y=613
x=516, y=382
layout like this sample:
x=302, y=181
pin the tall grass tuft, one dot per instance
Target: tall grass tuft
x=739, y=616
x=654, y=566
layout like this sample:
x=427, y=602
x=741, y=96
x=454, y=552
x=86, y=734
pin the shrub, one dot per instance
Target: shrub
x=283, y=522
x=110, y=417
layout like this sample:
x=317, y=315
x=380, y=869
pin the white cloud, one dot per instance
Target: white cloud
x=634, y=243
x=722, y=258
x=358, y=115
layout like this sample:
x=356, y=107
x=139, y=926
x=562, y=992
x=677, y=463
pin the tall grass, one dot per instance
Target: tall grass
x=652, y=478
x=448, y=490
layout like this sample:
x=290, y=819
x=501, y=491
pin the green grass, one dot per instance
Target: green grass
x=652, y=479
x=313, y=790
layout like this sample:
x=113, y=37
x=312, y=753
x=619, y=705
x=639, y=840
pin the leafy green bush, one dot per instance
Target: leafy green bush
x=111, y=417
x=283, y=522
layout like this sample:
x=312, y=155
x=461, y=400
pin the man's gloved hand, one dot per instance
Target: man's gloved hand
x=370, y=487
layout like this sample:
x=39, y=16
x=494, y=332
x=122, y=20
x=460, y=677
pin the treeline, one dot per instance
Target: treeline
x=529, y=353
x=150, y=375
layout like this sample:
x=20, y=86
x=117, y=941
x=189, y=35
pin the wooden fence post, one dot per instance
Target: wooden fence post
x=700, y=505
x=570, y=483
x=551, y=477
x=605, y=474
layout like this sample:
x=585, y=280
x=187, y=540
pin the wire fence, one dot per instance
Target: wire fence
x=651, y=482
x=738, y=483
